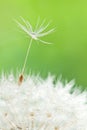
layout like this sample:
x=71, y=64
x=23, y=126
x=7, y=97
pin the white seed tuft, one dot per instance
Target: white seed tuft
x=40, y=105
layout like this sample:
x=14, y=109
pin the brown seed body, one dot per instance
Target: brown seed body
x=21, y=78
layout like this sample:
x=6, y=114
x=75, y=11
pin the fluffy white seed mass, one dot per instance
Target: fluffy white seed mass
x=41, y=105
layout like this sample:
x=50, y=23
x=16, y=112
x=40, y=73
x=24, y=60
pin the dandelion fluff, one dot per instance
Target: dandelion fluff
x=41, y=105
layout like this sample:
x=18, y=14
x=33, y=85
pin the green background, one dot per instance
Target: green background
x=67, y=56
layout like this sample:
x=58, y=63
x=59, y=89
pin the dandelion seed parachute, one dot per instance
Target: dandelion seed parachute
x=40, y=105
x=35, y=34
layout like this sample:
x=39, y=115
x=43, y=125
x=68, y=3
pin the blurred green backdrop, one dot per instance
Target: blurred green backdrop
x=68, y=54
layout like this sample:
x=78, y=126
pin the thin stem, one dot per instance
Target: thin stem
x=28, y=50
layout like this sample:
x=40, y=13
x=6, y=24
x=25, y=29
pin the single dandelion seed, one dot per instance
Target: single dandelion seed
x=35, y=34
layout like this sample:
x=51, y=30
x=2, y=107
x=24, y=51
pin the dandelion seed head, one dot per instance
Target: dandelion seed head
x=39, y=104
